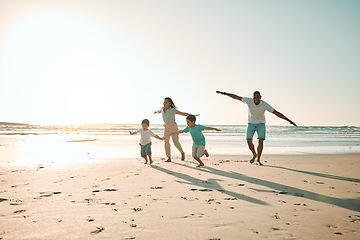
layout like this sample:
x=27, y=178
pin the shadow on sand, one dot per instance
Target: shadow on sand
x=324, y=175
x=350, y=203
x=211, y=183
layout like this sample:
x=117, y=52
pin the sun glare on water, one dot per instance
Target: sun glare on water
x=45, y=150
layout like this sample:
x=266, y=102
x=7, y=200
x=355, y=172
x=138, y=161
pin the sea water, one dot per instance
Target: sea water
x=284, y=140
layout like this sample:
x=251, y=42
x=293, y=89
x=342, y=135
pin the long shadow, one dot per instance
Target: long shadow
x=318, y=174
x=208, y=184
x=348, y=203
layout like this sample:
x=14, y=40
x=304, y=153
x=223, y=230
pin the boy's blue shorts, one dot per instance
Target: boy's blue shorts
x=145, y=150
x=255, y=127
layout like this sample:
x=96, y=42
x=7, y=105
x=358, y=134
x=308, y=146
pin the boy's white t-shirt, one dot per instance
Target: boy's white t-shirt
x=257, y=112
x=145, y=136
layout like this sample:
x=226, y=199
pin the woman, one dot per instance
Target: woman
x=168, y=113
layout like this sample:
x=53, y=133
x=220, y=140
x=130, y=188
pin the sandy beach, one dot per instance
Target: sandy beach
x=290, y=197
x=79, y=79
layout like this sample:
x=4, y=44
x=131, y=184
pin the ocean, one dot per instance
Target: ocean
x=115, y=138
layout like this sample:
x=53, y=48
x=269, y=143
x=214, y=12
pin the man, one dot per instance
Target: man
x=256, y=121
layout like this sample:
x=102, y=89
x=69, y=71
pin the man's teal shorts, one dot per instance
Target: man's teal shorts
x=255, y=127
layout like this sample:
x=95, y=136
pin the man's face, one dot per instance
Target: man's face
x=256, y=99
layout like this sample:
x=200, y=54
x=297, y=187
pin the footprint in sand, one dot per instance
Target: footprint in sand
x=299, y=194
x=198, y=215
x=19, y=211
x=46, y=194
x=139, y=209
x=333, y=226
x=212, y=200
x=355, y=218
x=98, y=230
x=231, y=199
x=201, y=190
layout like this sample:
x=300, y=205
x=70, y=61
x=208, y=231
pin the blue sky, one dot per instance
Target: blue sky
x=115, y=61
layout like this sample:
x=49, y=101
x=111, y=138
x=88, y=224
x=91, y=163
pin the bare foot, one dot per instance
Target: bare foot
x=182, y=156
x=200, y=165
x=145, y=162
x=206, y=153
x=253, y=159
x=258, y=161
x=168, y=160
x=151, y=161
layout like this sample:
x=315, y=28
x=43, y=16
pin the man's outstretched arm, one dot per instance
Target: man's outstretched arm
x=230, y=95
x=280, y=115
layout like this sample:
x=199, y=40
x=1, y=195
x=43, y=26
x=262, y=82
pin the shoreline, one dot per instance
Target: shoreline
x=231, y=140
x=64, y=149
x=228, y=198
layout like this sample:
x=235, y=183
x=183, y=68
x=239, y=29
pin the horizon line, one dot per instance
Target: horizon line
x=112, y=123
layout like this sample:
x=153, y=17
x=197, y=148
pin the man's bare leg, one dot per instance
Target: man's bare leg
x=260, y=149
x=252, y=149
x=146, y=160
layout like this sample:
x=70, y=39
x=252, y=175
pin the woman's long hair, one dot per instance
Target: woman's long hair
x=172, y=104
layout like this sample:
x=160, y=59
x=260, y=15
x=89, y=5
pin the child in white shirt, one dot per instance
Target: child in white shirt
x=145, y=140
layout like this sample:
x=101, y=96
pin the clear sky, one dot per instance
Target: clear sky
x=114, y=61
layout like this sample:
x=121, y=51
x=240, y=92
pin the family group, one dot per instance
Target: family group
x=256, y=123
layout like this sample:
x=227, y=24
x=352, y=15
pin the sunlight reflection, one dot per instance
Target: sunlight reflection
x=75, y=148
x=36, y=150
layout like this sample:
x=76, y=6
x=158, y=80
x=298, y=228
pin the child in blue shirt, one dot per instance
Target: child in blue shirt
x=198, y=148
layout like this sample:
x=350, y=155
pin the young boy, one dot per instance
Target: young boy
x=198, y=148
x=145, y=140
